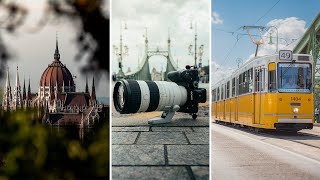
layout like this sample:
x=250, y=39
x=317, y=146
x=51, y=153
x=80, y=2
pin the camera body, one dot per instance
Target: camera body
x=189, y=79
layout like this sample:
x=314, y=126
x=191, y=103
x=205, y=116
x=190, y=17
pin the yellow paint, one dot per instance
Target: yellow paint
x=263, y=110
x=272, y=66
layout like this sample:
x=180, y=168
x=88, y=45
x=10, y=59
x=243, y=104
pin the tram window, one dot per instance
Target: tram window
x=262, y=79
x=228, y=90
x=257, y=80
x=214, y=96
x=272, y=81
x=233, y=87
x=241, y=83
x=222, y=92
x=218, y=94
x=249, y=80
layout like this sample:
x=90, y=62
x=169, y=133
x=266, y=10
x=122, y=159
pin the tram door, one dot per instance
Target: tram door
x=259, y=84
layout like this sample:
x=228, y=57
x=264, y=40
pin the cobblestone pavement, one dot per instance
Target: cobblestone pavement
x=177, y=150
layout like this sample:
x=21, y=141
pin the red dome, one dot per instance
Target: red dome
x=56, y=72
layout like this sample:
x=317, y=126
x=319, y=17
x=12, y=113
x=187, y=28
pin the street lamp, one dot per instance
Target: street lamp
x=270, y=42
x=239, y=61
x=200, y=50
x=121, y=51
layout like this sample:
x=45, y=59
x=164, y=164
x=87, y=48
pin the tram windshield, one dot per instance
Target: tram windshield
x=294, y=77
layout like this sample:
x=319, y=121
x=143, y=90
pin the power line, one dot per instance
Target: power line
x=254, y=35
x=267, y=12
x=239, y=37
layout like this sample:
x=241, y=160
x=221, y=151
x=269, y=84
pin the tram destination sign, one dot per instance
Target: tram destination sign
x=285, y=55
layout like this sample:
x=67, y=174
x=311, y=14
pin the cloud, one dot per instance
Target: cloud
x=159, y=16
x=215, y=18
x=290, y=30
x=219, y=72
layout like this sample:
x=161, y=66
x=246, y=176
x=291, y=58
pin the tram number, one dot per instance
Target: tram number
x=285, y=55
x=295, y=98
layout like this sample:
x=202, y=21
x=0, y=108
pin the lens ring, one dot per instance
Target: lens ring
x=120, y=107
x=131, y=97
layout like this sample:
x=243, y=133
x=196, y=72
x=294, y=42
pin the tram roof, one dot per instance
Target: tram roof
x=257, y=59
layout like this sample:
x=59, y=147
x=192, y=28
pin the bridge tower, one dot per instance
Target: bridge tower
x=143, y=73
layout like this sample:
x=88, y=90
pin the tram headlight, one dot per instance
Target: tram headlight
x=295, y=110
x=131, y=96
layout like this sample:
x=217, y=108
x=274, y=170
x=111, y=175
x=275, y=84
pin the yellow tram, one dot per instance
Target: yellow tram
x=270, y=92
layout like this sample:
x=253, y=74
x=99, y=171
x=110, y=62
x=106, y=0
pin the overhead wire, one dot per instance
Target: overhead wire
x=267, y=12
x=238, y=38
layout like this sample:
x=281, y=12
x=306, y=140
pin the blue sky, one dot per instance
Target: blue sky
x=232, y=14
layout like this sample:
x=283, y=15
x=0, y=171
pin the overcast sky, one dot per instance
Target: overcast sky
x=158, y=16
x=33, y=52
x=291, y=17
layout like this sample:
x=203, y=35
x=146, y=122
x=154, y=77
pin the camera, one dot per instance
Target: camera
x=181, y=93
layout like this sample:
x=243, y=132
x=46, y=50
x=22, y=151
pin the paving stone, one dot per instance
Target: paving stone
x=180, y=120
x=188, y=154
x=124, y=137
x=198, y=137
x=138, y=155
x=201, y=129
x=200, y=172
x=162, y=138
x=172, y=129
x=137, y=128
x=147, y=172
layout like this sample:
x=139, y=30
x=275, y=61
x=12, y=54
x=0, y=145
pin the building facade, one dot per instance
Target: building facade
x=56, y=95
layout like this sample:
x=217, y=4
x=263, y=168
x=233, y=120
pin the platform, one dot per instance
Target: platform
x=177, y=150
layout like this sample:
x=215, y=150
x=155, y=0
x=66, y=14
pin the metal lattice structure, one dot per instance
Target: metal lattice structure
x=310, y=44
x=143, y=72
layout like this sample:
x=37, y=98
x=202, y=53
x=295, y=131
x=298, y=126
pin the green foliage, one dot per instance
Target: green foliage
x=32, y=150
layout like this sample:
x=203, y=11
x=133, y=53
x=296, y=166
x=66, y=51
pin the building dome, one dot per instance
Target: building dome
x=56, y=73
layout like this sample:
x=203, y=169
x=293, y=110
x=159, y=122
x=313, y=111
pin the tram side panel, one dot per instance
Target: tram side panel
x=270, y=110
x=245, y=109
x=227, y=110
x=220, y=112
x=214, y=110
x=233, y=110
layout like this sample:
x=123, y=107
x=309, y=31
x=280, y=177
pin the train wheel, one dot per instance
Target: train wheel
x=194, y=116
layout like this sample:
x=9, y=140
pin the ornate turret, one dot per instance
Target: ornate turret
x=7, y=96
x=17, y=98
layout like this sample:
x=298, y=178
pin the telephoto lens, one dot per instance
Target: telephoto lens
x=131, y=96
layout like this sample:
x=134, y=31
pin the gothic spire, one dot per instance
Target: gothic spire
x=29, y=91
x=17, y=92
x=93, y=92
x=17, y=78
x=87, y=88
x=8, y=80
x=56, y=53
x=7, y=96
x=24, y=89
